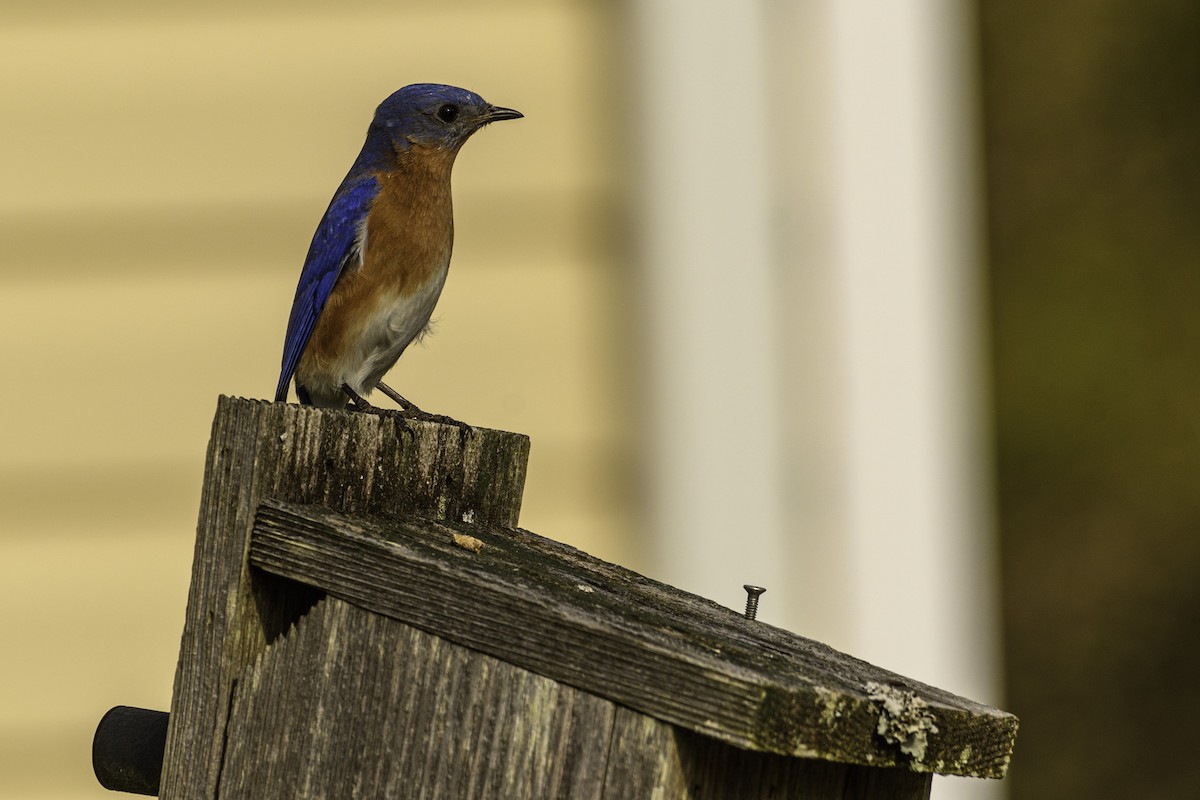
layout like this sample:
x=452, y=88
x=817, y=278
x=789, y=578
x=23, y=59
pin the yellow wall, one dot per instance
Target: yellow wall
x=161, y=175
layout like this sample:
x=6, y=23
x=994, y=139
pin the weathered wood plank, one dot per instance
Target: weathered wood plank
x=673, y=656
x=351, y=704
x=351, y=462
x=654, y=759
x=355, y=705
x=701, y=768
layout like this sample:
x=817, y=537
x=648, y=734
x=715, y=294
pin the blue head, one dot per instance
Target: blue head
x=427, y=115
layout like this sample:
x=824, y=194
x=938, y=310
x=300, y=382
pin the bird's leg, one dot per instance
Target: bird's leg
x=394, y=395
x=357, y=401
x=412, y=412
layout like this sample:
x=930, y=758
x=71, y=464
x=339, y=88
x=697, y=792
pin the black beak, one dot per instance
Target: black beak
x=496, y=113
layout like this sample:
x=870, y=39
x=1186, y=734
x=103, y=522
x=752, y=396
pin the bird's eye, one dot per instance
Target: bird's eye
x=448, y=112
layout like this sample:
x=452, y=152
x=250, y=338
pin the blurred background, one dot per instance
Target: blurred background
x=891, y=308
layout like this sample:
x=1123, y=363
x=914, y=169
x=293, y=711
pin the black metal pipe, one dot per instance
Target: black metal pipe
x=127, y=751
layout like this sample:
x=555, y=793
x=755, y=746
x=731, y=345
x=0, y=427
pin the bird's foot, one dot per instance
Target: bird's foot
x=410, y=411
x=359, y=403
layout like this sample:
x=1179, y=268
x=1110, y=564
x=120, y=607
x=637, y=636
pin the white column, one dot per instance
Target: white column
x=918, y=513
x=711, y=354
x=910, y=331
x=812, y=323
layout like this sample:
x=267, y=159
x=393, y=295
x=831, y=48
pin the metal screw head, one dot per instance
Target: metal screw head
x=752, y=593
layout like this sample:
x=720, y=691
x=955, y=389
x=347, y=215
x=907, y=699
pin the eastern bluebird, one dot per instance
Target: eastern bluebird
x=379, y=257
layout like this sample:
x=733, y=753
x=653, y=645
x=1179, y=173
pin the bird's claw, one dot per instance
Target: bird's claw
x=403, y=415
x=412, y=412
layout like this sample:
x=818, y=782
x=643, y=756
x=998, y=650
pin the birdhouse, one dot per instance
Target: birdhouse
x=365, y=620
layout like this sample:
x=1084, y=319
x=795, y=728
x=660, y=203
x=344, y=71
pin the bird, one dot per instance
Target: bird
x=380, y=254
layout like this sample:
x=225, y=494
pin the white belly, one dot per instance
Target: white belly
x=388, y=330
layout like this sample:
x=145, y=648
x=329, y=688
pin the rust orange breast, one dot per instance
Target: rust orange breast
x=408, y=239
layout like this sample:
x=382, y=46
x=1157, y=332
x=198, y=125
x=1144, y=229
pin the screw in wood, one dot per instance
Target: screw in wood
x=752, y=593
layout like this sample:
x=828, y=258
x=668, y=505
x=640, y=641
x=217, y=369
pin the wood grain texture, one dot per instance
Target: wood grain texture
x=351, y=704
x=346, y=461
x=664, y=653
x=652, y=759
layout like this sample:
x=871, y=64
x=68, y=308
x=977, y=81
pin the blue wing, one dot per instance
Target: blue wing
x=332, y=247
